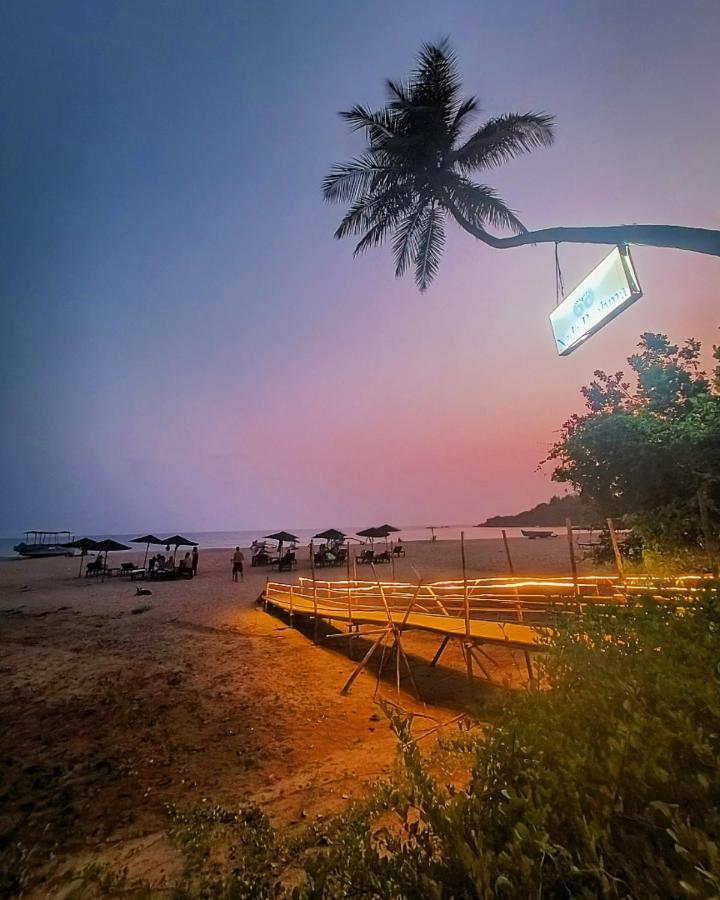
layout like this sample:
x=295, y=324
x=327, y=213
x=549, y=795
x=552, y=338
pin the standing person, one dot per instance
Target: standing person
x=195, y=555
x=237, y=565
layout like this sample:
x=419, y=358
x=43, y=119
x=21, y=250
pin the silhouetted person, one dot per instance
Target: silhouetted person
x=237, y=565
x=195, y=556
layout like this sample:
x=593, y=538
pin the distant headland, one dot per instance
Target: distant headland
x=553, y=513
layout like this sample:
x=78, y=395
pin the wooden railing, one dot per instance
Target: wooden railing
x=497, y=597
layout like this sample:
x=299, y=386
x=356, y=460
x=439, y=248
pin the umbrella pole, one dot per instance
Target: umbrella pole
x=82, y=553
x=147, y=550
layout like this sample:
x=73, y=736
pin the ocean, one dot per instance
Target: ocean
x=227, y=539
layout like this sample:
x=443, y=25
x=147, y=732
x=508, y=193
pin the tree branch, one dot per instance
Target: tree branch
x=678, y=237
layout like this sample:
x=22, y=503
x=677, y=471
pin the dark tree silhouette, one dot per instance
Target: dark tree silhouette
x=417, y=169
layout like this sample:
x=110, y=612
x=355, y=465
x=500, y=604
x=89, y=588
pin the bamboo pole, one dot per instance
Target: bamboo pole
x=485, y=672
x=616, y=552
x=439, y=653
x=380, y=668
x=391, y=628
x=349, y=587
x=466, y=602
x=349, y=597
x=573, y=564
x=507, y=552
x=707, y=529
x=312, y=569
x=361, y=665
x=409, y=671
x=511, y=567
x=438, y=601
x=397, y=663
x=521, y=617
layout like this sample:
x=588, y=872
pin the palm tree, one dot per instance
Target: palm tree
x=418, y=165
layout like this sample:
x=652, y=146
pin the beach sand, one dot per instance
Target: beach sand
x=110, y=713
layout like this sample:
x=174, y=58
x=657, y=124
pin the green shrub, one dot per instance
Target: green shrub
x=605, y=784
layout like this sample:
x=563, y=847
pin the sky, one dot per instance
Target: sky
x=183, y=344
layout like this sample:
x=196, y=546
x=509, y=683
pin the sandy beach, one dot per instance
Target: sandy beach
x=115, y=707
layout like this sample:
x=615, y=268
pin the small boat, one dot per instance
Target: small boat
x=45, y=543
x=536, y=534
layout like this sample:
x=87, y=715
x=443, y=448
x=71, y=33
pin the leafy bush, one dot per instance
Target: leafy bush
x=647, y=449
x=605, y=784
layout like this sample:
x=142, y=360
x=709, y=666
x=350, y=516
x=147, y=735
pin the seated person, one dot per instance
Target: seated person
x=185, y=565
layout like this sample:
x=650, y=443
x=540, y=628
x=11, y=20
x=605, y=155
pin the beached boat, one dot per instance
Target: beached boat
x=45, y=543
x=535, y=533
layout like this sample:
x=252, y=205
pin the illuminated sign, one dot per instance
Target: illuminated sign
x=610, y=288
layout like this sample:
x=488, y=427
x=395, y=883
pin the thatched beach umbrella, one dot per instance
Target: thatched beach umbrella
x=177, y=540
x=332, y=534
x=107, y=545
x=147, y=539
x=387, y=530
x=371, y=533
x=282, y=537
x=83, y=545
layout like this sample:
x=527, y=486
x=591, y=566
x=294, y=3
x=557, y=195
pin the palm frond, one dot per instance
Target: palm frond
x=379, y=231
x=480, y=204
x=430, y=247
x=436, y=76
x=398, y=93
x=367, y=210
x=405, y=240
x=503, y=138
x=378, y=123
x=466, y=108
x=347, y=181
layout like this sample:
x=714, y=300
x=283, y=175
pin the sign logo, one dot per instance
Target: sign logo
x=610, y=288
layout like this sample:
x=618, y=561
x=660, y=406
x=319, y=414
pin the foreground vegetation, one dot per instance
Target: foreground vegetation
x=604, y=782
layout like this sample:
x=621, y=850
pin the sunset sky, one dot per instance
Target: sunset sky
x=184, y=346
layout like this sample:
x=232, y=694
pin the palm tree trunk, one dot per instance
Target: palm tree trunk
x=697, y=240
